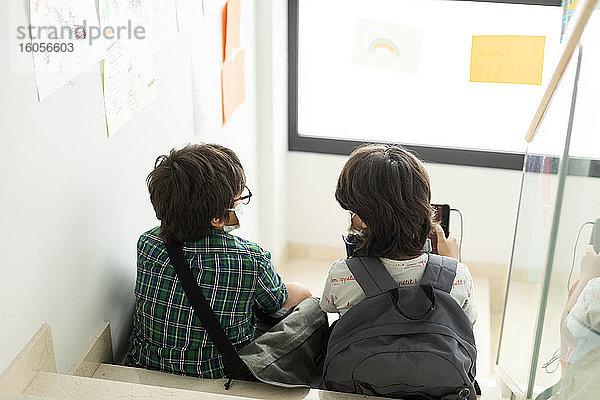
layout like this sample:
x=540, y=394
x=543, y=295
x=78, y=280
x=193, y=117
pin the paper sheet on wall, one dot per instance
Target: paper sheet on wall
x=118, y=13
x=129, y=82
x=234, y=86
x=67, y=23
x=568, y=7
x=206, y=57
x=206, y=95
x=191, y=20
x=157, y=17
x=389, y=46
x=163, y=23
x=232, y=28
x=507, y=59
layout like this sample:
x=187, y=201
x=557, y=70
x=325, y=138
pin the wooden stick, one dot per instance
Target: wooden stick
x=573, y=34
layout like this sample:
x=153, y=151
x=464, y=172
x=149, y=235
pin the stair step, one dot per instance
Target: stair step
x=70, y=387
x=252, y=390
x=20, y=396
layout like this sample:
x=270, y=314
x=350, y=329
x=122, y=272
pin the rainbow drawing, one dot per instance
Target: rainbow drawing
x=384, y=44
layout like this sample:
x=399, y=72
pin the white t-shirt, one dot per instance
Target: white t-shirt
x=584, y=320
x=342, y=291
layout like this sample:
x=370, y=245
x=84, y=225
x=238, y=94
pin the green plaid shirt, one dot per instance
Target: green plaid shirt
x=234, y=275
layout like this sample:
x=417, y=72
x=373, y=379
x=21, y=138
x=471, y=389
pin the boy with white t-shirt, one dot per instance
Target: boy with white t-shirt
x=386, y=190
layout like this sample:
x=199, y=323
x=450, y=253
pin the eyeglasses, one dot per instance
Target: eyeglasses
x=245, y=198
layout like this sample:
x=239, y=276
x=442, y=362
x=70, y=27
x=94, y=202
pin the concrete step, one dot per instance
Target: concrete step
x=243, y=389
x=69, y=387
x=252, y=390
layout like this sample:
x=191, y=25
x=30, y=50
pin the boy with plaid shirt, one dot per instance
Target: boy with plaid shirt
x=198, y=193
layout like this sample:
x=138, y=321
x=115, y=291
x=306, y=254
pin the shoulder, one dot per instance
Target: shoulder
x=339, y=274
x=463, y=280
x=150, y=236
x=339, y=267
x=462, y=270
x=592, y=287
x=587, y=307
x=250, y=248
x=221, y=242
x=590, y=295
x=150, y=245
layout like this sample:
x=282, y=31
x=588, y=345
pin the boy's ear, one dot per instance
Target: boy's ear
x=217, y=223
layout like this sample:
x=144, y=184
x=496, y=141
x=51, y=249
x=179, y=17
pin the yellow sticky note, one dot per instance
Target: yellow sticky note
x=507, y=59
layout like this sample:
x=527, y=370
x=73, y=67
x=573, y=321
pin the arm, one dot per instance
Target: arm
x=463, y=290
x=271, y=292
x=590, y=269
x=327, y=302
x=446, y=247
x=297, y=293
x=449, y=248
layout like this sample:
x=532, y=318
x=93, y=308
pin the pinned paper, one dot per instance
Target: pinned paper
x=234, y=85
x=507, y=59
x=156, y=20
x=123, y=13
x=63, y=27
x=232, y=27
x=568, y=7
x=129, y=82
x=163, y=23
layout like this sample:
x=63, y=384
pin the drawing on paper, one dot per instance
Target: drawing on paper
x=120, y=12
x=129, y=82
x=384, y=45
x=569, y=7
x=65, y=22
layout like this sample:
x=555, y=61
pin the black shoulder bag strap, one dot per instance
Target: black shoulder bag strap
x=235, y=368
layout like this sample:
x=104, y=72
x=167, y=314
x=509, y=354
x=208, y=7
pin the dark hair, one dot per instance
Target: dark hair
x=191, y=186
x=388, y=188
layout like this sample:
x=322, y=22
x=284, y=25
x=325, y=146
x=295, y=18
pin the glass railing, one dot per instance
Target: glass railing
x=550, y=340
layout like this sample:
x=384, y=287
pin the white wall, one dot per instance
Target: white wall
x=271, y=38
x=74, y=202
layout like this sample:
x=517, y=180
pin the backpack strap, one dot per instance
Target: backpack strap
x=371, y=275
x=235, y=368
x=440, y=272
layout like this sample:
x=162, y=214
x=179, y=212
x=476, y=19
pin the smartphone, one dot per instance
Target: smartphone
x=441, y=217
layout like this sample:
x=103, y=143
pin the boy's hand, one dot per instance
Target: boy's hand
x=590, y=263
x=446, y=247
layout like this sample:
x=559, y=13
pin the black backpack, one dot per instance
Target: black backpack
x=411, y=342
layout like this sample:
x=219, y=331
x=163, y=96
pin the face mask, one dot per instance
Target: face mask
x=351, y=230
x=239, y=213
